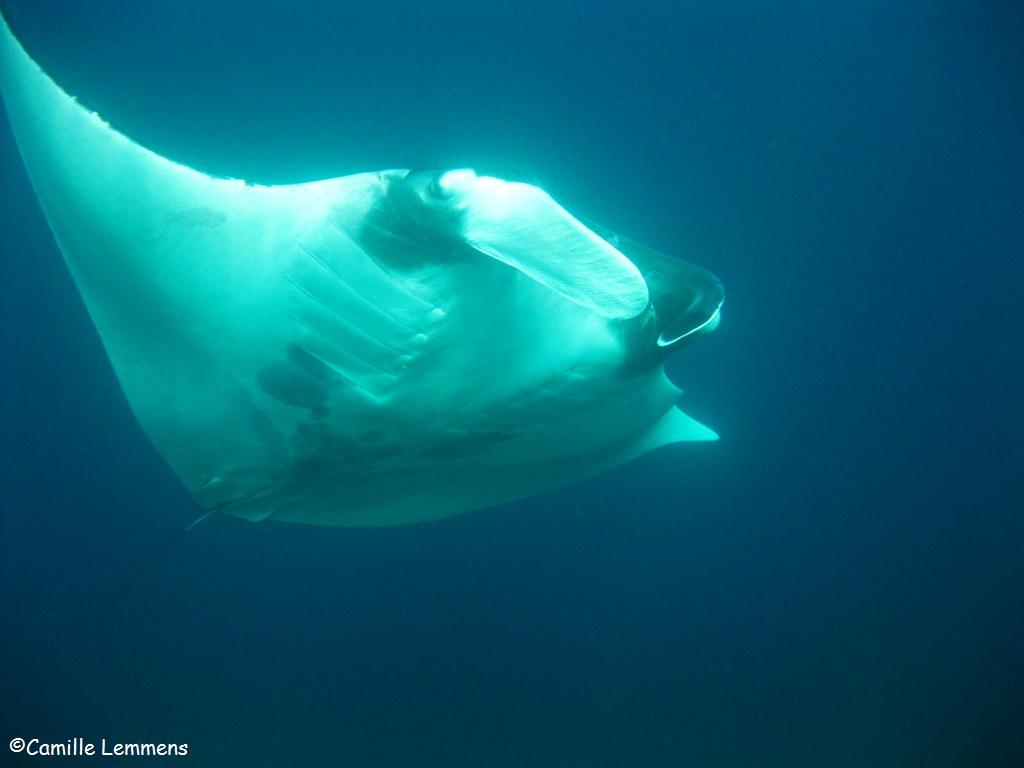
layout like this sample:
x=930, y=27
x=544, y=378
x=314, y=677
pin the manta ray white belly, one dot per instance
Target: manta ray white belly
x=376, y=349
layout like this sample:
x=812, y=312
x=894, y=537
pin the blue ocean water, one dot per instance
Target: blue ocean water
x=837, y=582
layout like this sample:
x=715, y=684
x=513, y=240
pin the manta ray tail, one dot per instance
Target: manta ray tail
x=145, y=566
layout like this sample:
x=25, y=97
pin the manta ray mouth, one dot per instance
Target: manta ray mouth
x=687, y=299
x=667, y=338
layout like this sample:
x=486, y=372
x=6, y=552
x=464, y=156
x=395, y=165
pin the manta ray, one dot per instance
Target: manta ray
x=382, y=348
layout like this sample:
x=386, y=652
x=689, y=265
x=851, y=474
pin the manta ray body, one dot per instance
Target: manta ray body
x=377, y=349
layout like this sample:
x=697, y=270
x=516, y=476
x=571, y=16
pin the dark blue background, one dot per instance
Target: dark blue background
x=838, y=582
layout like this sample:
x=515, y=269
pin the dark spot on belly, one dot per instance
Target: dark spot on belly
x=465, y=444
x=311, y=365
x=321, y=445
x=290, y=385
